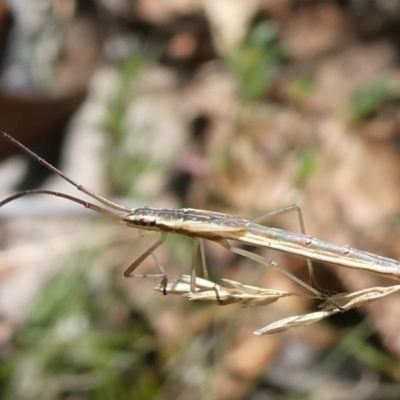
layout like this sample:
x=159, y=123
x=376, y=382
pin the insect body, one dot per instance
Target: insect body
x=221, y=228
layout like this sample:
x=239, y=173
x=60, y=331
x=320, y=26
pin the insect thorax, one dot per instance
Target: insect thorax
x=154, y=219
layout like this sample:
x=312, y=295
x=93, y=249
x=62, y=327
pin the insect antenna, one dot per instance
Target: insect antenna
x=56, y=171
x=86, y=204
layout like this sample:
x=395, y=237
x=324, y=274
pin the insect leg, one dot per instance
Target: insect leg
x=128, y=273
x=293, y=207
x=264, y=261
x=198, y=244
x=203, y=259
x=193, y=267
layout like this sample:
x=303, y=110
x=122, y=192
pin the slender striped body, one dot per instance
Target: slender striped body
x=218, y=226
x=201, y=224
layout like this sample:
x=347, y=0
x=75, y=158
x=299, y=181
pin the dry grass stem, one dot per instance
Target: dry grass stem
x=234, y=292
x=247, y=296
x=347, y=301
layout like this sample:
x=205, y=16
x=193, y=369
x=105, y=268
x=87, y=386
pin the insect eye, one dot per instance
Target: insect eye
x=140, y=219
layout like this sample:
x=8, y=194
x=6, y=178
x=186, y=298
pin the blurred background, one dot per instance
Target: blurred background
x=235, y=106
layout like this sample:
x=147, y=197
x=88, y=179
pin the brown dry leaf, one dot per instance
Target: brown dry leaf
x=161, y=11
x=243, y=364
x=313, y=30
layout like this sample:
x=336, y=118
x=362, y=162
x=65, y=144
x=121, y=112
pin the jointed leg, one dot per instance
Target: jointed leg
x=198, y=243
x=293, y=207
x=264, y=261
x=193, y=267
x=203, y=259
x=129, y=271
